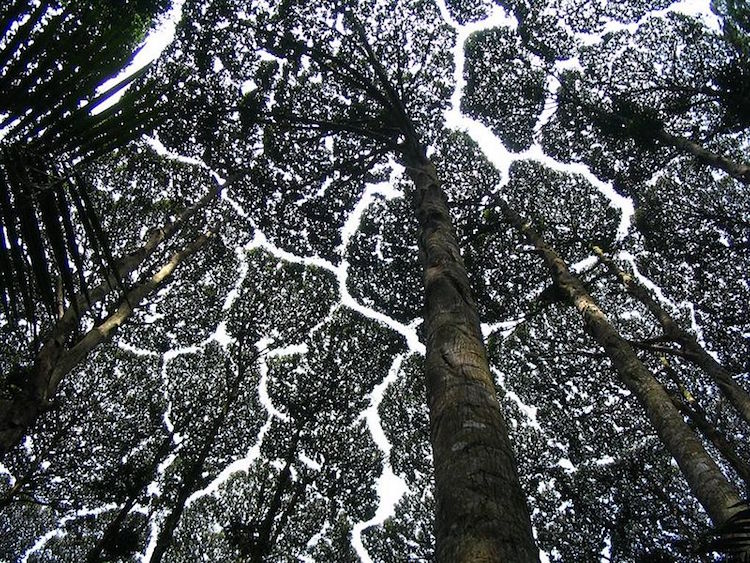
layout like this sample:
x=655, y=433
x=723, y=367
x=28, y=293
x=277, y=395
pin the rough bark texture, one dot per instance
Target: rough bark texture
x=698, y=419
x=692, y=349
x=481, y=510
x=54, y=362
x=712, y=489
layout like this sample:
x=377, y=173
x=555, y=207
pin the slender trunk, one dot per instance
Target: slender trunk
x=54, y=362
x=114, y=527
x=697, y=417
x=110, y=533
x=712, y=489
x=263, y=544
x=193, y=476
x=166, y=534
x=694, y=352
x=689, y=406
x=739, y=171
x=481, y=510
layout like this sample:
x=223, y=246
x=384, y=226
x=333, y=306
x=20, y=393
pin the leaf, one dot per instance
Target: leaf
x=51, y=217
x=72, y=243
x=19, y=273
x=30, y=233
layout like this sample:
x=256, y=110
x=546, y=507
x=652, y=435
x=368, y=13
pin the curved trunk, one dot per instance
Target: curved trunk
x=54, y=362
x=694, y=352
x=709, y=485
x=481, y=510
x=737, y=170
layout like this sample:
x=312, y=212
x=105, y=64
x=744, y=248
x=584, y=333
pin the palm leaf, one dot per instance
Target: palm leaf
x=19, y=268
x=7, y=283
x=88, y=228
x=51, y=218
x=31, y=234
x=102, y=241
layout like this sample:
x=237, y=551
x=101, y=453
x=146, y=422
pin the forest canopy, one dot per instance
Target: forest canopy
x=375, y=280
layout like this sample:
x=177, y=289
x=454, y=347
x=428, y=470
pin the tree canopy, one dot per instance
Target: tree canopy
x=375, y=280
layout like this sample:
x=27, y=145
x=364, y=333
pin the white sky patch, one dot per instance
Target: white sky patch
x=390, y=490
x=645, y=281
x=221, y=335
x=505, y=328
x=263, y=395
x=156, y=41
x=240, y=465
x=161, y=150
x=5, y=471
x=584, y=265
x=700, y=9
x=528, y=410
x=135, y=350
x=389, y=486
x=566, y=464
x=60, y=530
x=493, y=148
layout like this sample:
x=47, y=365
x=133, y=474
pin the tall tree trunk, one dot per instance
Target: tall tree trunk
x=481, y=510
x=54, y=362
x=694, y=352
x=262, y=545
x=112, y=530
x=697, y=417
x=712, y=489
x=195, y=469
x=188, y=486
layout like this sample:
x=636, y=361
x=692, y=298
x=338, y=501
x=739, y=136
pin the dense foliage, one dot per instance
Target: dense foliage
x=212, y=337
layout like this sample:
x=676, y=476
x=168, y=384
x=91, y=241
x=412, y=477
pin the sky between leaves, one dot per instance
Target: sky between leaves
x=390, y=487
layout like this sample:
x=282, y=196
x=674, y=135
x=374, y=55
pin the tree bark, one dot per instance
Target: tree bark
x=693, y=351
x=188, y=486
x=54, y=362
x=697, y=417
x=712, y=489
x=739, y=171
x=481, y=509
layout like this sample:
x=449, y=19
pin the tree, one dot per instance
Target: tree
x=54, y=58
x=327, y=121
x=63, y=347
x=471, y=447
